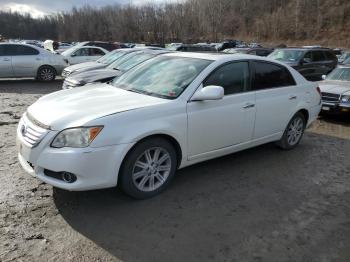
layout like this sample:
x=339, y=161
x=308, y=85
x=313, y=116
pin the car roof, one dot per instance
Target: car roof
x=305, y=48
x=217, y=56
x=344, y=66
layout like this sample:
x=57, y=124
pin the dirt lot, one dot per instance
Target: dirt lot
x=262, y=204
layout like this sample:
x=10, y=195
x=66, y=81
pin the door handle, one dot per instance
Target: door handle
x=249, y=105
x=293, y=97
x=6, y=59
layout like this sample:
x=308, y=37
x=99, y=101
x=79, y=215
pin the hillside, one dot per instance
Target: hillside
x=273, y=21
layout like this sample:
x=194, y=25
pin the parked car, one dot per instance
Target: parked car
x=344, y=58
x=338, y=52
x=336, y=90
x=63, y=46
x=250, y=51
x=196, y=48
x=170, y=112
x=115, y=69
x=227, y=44
x=312, y=63
x=33, y=42
x=102, y=62
x=105, y=45
x=21, y=60
x=76, y=54
x=254, y=45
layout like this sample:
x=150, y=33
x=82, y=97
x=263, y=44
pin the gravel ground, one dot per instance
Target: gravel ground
x=261, y=204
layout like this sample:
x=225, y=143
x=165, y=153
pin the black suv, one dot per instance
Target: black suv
x=312, y=63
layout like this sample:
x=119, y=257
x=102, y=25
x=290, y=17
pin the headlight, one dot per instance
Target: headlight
x=76, y=137
x=345, y=99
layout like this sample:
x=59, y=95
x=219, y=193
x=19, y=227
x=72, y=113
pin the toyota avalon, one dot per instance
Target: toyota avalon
x=170, y=112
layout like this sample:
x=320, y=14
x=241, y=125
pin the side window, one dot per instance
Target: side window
x=96, y=52
x=252, y=52
x=82, y=52
x=317, y=56
x=308, y=57
x=268, y=75
x=2, y=50
x=329, y=55
x=19, y=50
x=233, y=77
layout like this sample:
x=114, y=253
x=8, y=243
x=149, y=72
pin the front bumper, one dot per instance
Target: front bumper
x=335, y=107
x=95, y=168
x=68, y=85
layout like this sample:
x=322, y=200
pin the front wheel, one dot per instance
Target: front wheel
x=293, y=133
x=46, y=74
x=148, y=168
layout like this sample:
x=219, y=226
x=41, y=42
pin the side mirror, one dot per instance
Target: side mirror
x=209, y=93
x=324, y=77
x=73, y=55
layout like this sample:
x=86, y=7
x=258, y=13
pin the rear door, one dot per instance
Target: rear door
x=5, y=62
x=277, y=96
x=95, y=53
x=79, y=56
x=25, y=60
x=331, y=61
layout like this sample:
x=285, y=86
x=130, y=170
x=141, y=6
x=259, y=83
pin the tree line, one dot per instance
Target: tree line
x=188, y=21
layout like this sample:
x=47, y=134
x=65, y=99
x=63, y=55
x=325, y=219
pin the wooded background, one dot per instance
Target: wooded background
x=191, y=21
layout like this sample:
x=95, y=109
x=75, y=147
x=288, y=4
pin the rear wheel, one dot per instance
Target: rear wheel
x=293, y=133
x=148, y=168
x=46, y=74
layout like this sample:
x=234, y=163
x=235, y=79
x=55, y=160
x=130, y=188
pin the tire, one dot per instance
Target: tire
x=46, y=74
x=153, y=160
x=293, y=133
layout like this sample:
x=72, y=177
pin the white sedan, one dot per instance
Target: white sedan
x=170, y=112
x=76, y=55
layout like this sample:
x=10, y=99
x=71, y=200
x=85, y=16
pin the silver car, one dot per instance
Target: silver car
x=22, y=60
x=336, y=90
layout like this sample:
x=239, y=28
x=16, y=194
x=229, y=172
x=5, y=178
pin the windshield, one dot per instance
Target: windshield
x=346, y=61
x=135, y=60
x=162, y=76
x=340, y=74
x=121, y=60
x=286, y=55
x=110, y=57
x=344, y=57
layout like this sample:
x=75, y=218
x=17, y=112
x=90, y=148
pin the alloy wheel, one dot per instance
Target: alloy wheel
x=151, y=169
x=295, y=131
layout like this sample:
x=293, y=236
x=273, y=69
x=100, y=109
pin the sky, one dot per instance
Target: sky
x=39, y=8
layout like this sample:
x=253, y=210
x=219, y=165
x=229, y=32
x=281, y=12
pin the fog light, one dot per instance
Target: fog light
x=68, y=177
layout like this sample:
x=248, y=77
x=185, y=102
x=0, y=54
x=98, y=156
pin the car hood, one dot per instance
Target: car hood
x=93, y=76
x=81, y=66
x=78, y=106
x=335, y=87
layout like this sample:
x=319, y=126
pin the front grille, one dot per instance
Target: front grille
x=329, y=97
x=32, y=134
x=65, y=73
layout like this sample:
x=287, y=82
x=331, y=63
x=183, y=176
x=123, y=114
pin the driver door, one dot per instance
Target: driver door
x=218, y=124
